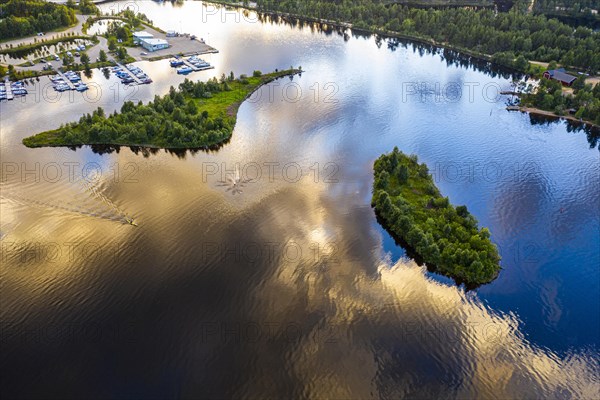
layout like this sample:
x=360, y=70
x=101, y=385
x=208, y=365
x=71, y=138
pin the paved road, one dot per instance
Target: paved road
x=28, y=40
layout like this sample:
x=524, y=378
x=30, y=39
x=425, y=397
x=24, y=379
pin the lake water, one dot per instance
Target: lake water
x=291, y=287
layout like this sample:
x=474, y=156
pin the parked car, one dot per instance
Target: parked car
x=143, y=53
x=69, y=53
x=40, y=34
x=57, y=58
x=77, y=54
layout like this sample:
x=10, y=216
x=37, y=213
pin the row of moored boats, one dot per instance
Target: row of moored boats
x=17, y=89
x=70, y=81
x=125, y=74
x=184, y=68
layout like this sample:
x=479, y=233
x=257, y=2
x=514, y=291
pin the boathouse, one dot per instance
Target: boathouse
x=560, y=75
x=139, y=36
x=154, y=44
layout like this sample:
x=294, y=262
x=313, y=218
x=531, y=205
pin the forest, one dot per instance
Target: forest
x=197, y=115
x=26, y=17
x=447, y=238
x=482, y=31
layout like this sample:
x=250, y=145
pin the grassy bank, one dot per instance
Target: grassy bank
x=446, y=238
x=197, y=115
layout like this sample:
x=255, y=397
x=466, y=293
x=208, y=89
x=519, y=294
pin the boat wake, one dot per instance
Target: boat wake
x=122, y=215
x=68, y=207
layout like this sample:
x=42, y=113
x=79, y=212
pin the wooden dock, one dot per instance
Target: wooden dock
x=131, y=74
x=8, y=87
x=67, y=81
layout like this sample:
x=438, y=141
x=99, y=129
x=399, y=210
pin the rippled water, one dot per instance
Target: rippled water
x=291, y=288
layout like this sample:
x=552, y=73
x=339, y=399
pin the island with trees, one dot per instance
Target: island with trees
x=445, y=237
x=197, y=115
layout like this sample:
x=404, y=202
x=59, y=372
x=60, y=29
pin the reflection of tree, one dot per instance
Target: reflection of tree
x=592, y=133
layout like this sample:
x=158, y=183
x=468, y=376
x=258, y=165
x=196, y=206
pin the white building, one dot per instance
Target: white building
x=154, y=44
x=139, y=36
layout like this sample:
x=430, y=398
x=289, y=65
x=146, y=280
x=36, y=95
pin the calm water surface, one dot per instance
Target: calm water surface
x=291, y=288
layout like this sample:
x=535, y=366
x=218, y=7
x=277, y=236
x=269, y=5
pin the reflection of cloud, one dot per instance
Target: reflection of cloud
x=346, y=324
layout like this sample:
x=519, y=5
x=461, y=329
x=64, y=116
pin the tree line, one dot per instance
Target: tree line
x=446, y=237
x=512, y=34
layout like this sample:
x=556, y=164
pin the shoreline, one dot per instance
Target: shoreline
x=383, y=32
x=544, y=113
x=410, y=207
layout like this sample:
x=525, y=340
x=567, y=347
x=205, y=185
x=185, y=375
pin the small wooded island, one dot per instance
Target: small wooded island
x=445, y=237
x=198, y=115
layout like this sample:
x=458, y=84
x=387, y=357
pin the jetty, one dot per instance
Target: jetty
x=131, y=74
x=8, y=87
x=67, y=80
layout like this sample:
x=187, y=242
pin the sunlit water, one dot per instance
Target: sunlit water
x=291, y=287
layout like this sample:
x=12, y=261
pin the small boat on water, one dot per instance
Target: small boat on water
x=130, y=221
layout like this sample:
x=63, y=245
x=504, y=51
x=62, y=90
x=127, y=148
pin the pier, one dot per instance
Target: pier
x=8, y=87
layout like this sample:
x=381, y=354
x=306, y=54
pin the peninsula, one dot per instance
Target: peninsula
x=446, y=238
x=197, y=115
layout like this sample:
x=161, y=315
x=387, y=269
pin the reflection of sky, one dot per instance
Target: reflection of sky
x=545, y=293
